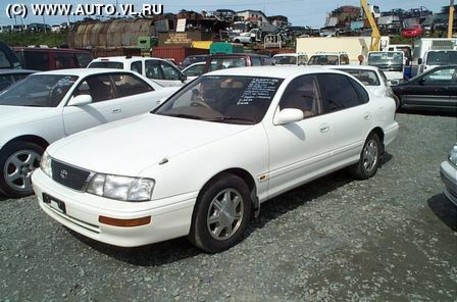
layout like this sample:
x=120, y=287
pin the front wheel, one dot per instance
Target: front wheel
x=17, y=162
x=221, y=214
x=369, y=158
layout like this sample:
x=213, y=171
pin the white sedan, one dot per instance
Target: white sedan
x=201, y=164
x=47, y=106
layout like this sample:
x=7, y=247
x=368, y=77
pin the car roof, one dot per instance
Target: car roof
x=84, y=71
x=126, y=58
x=354, y=67
x=281, y=72
x=16, y=71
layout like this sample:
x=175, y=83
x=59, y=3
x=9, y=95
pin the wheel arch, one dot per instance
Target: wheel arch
x=245, y=176
x=380, y=133
x=30, y=139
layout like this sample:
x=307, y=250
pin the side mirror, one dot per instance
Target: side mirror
x=80, y=100
x=288, y=115
x=419, y=61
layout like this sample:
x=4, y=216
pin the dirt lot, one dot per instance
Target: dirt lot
x=389, y=238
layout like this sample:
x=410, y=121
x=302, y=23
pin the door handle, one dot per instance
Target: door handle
x=367, y=116
x=117, y=110
x=324, y=128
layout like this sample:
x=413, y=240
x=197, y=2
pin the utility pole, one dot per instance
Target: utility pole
x=451, y=19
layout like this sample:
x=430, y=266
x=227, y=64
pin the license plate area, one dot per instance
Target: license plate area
x=54, y=203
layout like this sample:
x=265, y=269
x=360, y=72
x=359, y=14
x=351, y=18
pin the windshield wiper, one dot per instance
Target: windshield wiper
x=189, y=116
x=232, y=118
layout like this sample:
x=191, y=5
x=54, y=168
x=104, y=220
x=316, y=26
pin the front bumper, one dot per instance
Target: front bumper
x=170, y=217
x=448, y=173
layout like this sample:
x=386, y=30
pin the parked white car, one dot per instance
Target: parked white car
x=159, y=70
x=234, y=138
x=448, y=174
x=47, y=106
x=372, y=77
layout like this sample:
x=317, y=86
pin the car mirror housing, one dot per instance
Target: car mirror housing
x=80, y=100
x=183, y=77
x=288, y=115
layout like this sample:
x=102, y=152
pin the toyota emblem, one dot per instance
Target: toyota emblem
x=63, y=174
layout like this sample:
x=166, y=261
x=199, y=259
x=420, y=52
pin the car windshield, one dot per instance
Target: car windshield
x=225, y=99
x=106, y=64
x=442, y=57
x=323, y=60
x=286, y=60
x=38, y=90
x=387, y=61
x=222, y=63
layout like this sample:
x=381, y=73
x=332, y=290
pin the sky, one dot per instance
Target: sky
x=299, y=12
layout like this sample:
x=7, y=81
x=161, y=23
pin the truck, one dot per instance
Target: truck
x=433, y=58
x=392, y=63
x=353, y=46
x=421, y=46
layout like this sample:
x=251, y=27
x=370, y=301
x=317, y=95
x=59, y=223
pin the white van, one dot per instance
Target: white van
x=433, y=58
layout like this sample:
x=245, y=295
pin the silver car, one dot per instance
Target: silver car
x=448, y=172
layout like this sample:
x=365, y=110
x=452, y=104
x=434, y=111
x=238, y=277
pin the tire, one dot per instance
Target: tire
x=369, y=158
x=221, y=214
x=17, y=162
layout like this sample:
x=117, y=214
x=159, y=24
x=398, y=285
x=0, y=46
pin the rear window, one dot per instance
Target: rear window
x=222, y=63
x=106, y=64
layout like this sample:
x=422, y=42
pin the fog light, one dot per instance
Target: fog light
x=125, y=222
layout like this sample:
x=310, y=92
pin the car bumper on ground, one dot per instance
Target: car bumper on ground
x=448, y=174
x=82, y=213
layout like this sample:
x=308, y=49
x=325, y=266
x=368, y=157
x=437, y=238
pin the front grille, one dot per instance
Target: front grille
x=69, y=176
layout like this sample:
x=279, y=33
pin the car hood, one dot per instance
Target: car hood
x=128, y=146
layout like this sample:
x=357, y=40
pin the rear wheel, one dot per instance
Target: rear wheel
x=17, y=162
x=369, y=158
x=221, y=214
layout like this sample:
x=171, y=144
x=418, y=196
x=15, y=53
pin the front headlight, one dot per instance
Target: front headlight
x=45, y=164
x=121, y=187
x=453, y=155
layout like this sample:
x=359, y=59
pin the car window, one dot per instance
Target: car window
x=222, y=63
x=99, y=87
x=83, y=59
x=136, y=66
x=65, y=60
x=440, y=76
x=4, y=62
x=225, y=99
x=256, y=61
x=195, y=70
x=344, y=60
x=169, y=72
x=36, y=60
x=5, y=81
x=20, y=76
x=338, y=92
x=367, y=77
x=302, y=93
x=38, y=91
x=153, y=70
x=127, y=85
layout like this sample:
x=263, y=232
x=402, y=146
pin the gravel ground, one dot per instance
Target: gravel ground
x=390, y=238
